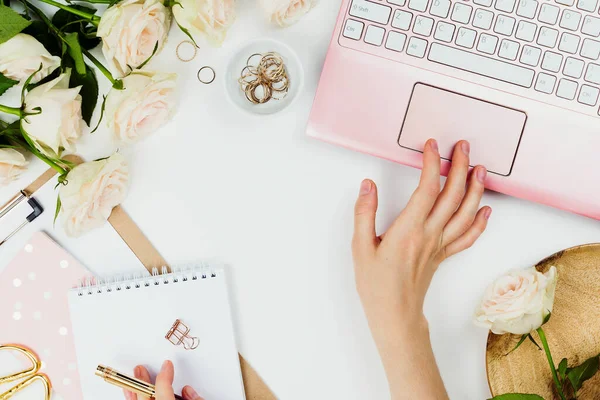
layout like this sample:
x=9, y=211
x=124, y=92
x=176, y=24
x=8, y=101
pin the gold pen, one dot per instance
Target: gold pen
x=128, y=383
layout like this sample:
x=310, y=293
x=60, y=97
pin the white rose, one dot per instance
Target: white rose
x=518, y=302
x=58, y=125
x=208, y=19
x=12, y=163
x=286, y=12
x=22, y=55
x=130, y=31
x=93, y=189
x=146, y=102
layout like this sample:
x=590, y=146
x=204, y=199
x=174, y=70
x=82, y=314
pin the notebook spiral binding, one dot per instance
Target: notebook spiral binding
x=92, y=286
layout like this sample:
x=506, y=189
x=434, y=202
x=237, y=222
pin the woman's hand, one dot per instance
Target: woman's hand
x=394, y=270
x=164, y=384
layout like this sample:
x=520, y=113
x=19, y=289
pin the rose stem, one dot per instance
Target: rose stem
x=94, y=19
x=559, y=388
x=99, y=65
x=11, y=110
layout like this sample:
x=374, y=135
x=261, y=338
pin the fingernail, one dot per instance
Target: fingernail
x=487, y=213
x=128, y=395
x=164, y=366
x=137, y=372
x=465, y=147
x=434, y=145
x=481, y=174
x=365, y=187
x=190, y=393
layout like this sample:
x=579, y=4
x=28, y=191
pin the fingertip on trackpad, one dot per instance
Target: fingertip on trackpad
x=494, y=131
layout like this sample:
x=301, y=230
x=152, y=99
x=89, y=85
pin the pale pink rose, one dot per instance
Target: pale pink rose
x=205, y=19
x=12, y=163
x=130, y=30
x=286, y=12
x=55, y=123
x=517, y=302
x=146, y=102
x=93, y=189
x=22, y=55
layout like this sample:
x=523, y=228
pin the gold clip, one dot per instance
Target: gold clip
x=30, y=375
x=178, y=335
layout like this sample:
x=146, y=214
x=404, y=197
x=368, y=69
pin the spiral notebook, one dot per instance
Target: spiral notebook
x=123, y=323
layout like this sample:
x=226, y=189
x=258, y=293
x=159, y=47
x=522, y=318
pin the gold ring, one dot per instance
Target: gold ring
x=214, y=75
x=186, y=59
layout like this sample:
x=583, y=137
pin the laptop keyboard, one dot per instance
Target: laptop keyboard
x=550, y=47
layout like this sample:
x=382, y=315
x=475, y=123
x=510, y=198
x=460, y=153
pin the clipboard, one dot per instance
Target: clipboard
x=254, y=386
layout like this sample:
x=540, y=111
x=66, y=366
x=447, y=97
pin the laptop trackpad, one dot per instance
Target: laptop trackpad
x=494, y=131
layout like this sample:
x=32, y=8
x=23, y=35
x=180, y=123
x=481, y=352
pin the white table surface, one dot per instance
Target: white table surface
x=276, y=206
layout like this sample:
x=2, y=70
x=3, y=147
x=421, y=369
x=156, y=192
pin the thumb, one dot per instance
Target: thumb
x=164, y=382
x=364, y=217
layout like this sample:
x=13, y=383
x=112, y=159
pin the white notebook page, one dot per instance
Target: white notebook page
x=127, y=327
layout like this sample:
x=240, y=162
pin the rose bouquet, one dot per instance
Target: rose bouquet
x=50, y=59
x=520, y=303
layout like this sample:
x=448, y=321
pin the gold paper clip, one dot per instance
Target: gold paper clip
x=178, y=335
x=30, y=375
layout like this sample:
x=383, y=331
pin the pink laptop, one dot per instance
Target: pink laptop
x=519, y=79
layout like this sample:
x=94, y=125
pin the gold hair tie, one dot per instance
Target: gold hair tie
x=177, y=51
x=269, y=74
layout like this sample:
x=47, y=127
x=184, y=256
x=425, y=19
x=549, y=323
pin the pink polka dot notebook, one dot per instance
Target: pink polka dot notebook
x=34, y=310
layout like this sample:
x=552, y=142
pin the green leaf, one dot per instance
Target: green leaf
x=547, y=318
x=74, y=50
x=523, y=337
x=39, y=30
x=11, y=23
x=517, y=396
x=68, y=22
x=88, y=92
x=583, y=372
x=58, y=206
x=562, y=369
x=6, y=83
x=101, y=114
x=185, y=30
x=533, y=341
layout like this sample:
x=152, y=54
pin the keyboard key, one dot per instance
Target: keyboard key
x=592, y=74
x=481, y=65
x=573, y=67
x=440, y=8
x=423, y=25
x=530, y=55
x=505, y=5
x=588, y=95
x=527, y=8
x=400, y=3
x=568, y=43
x=461, y=13
x=552, y=61
x=466, y=38
x=483, y=19
x=416, y=47
x=353, y=29
x=395, y=41
x=444, y=31
x=567, y=89
x=566, y=2
x=484, y=3
x=370, y=11
x=570, y=20
x=418, y=5
x=509, y=49
x=548, y=14
x=547, y=37
x=402, y=20
x=526, y=31
x=487, y=43
x=591, y=26
x=545, y=83
x=590, y=49
x=504, y=25
x=374, y=35
x=587, y=5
